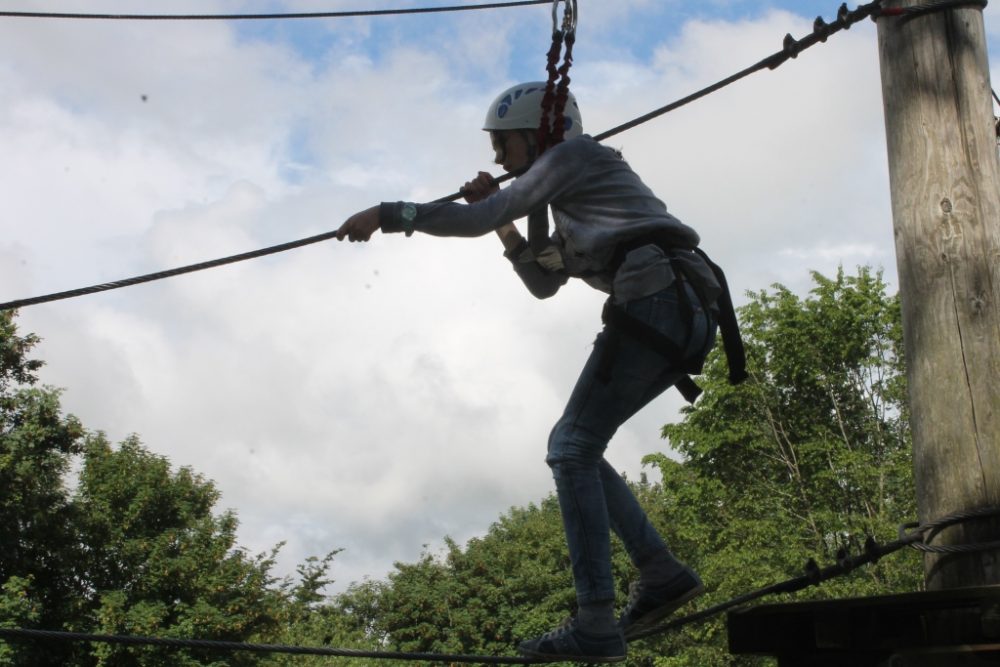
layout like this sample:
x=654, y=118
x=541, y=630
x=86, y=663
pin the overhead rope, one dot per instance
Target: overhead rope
x=814, y=575
x=277, y=16
x=169, y=273
x=791, y=48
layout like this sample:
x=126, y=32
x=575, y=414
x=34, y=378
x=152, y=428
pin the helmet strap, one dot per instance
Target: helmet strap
x=499, y=143
x=531, y=139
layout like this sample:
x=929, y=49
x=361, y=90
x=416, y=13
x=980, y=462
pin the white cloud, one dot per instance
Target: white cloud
x=377, y=397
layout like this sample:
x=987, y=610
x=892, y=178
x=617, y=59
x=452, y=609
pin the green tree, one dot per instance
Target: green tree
x=810, y=456
x=134, y=549
x=161, y=563
x=39, y=547
x=310, y=618
x=512, y=582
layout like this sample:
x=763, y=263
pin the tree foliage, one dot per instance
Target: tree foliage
x=134, y=548
x=810, y=456
x=38, y=544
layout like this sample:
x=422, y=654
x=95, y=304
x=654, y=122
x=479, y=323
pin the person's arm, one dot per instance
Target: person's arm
x=510, y=237
x=360, y=226
x=541, y=282
x=478, y=189
x=555, y=173
x=489, y=208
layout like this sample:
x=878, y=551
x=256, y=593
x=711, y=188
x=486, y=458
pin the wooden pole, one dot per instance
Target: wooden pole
x=945, y=181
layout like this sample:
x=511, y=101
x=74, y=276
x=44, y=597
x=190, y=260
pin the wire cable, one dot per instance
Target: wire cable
x=814, y=575
x=230, y=646
x=791, y=48
x=277, y=16
x=169, y=273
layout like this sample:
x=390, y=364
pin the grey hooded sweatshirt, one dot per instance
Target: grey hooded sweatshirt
x=597, y=202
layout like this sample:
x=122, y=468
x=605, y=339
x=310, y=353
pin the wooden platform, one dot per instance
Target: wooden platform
x=933, y=629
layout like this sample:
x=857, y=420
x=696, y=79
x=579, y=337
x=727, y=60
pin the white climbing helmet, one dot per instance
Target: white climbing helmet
x=520, y=108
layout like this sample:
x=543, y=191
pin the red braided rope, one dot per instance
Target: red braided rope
x=562, y=92
x=545, y=129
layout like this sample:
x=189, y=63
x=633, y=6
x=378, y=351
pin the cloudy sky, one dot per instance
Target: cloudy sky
x=377, y=397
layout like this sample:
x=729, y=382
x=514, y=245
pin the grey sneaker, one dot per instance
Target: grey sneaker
x=648, y=604
x=568, y=642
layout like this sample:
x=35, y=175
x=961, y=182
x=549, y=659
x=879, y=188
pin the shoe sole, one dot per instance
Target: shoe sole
x=653, y=618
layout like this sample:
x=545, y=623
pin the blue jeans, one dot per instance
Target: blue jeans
x=593, y=497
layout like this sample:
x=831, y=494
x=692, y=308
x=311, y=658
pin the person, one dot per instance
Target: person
x=661, y=321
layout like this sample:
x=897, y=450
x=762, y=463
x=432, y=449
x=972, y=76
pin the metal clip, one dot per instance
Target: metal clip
x=791, y=46
x=570, y=13
x=821, y=28
x=843, y=14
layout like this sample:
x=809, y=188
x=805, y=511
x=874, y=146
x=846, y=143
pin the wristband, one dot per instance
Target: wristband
x=514, y=254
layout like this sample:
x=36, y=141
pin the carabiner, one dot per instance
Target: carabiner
x=569, y=17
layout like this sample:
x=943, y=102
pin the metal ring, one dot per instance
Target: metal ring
x=569, y=17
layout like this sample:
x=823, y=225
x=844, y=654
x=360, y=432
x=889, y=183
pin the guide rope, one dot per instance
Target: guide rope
x=277, y=16
x=813, y=576
x=791, y=48
x=873, y=551
x=229, y=646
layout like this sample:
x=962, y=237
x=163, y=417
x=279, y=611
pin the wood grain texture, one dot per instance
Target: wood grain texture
x=945, y=180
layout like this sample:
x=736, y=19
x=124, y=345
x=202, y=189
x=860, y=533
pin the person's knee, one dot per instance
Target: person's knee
x=571, y=445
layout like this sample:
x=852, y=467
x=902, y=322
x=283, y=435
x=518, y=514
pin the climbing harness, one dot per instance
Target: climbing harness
x=619, y=322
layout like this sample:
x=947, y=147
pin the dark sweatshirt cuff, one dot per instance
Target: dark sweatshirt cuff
x=514, y=254
x=388, y=217
x=397, y=216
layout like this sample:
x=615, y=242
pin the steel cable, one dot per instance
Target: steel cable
x=230, y=646
x=275, y=16
x=846, y=563
x=813, y=576
x=790, y=49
